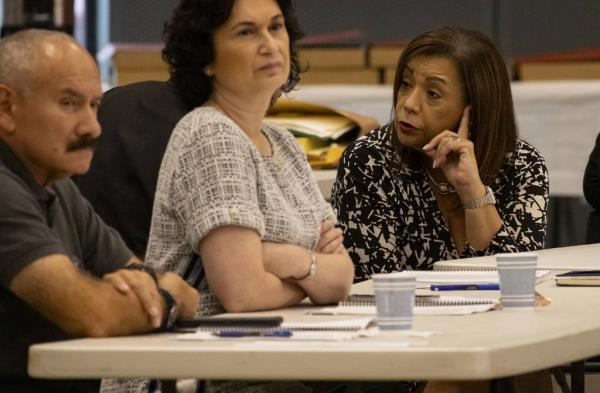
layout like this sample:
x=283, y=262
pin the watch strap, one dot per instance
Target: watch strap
x=171, y=308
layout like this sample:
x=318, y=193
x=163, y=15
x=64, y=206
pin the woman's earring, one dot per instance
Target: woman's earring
x=209, y=72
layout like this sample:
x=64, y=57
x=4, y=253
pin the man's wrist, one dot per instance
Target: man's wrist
x=144, y=268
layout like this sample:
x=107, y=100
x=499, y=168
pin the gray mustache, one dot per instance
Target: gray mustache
x=85, y=142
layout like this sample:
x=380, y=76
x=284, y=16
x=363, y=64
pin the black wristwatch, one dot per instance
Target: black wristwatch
x=143, y=268
x=171, y=309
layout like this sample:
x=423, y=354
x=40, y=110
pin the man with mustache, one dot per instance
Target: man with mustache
x=63, y=272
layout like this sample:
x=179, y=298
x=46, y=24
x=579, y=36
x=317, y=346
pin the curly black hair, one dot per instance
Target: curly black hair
x=189, y=45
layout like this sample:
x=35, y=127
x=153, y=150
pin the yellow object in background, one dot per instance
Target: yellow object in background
x=325, y=157
x=318, y=127
x=320, y=153
x=310, y=143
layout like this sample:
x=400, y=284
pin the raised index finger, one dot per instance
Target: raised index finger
x=463, y=128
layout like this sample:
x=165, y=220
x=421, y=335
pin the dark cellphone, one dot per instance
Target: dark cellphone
x=229, y=322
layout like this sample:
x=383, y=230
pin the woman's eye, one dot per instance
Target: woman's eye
x=433, y=94
x=245, y=32
x=404, y=84
x=277, y=26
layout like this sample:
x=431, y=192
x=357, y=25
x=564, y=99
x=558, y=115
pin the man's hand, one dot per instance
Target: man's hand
x=143, y=286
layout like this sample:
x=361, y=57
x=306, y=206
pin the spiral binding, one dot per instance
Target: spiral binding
x=291, y=327
x=453, y=302
x=229, y=328
x=423, y=302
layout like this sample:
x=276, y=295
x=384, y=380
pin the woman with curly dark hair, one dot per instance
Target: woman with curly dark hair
x=227, y=178
x=237, y=211
x=190, y=46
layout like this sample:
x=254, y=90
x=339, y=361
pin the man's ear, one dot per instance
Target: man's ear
x=7, y=108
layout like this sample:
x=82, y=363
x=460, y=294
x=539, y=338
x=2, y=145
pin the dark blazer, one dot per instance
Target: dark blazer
x=591, y=190
x=137, y=121
x=591, y=178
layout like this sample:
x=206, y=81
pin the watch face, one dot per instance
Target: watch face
x=492, y=196
x=172, y=316
x=171, y=310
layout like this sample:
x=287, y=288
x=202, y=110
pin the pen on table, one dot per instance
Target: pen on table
x=242, y=333
x=465, y=287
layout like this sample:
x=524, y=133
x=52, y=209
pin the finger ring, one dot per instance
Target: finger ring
x=454, y=138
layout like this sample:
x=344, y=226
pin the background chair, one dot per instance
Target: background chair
x=137, y=121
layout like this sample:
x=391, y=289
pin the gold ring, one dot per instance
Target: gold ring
x=454, y=138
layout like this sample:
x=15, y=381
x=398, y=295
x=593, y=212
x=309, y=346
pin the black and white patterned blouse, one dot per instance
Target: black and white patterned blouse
x=391, y=220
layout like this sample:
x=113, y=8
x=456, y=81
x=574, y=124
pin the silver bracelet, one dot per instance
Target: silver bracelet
x=313, y=266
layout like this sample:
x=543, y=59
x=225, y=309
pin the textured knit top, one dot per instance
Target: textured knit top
x=391, y=219
x=213, y=175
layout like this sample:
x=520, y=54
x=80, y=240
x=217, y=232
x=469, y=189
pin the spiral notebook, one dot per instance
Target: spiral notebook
x=466, y=276
x=428, y=305
x=579, y=278
x=335, y=330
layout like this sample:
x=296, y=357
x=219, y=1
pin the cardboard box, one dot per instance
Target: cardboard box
x=384, y=56
x=388, y=75
x=325, y=76
x=559, y=70
x=583, y=63
x=141, y=62
x=125, y=77
x=338, y=57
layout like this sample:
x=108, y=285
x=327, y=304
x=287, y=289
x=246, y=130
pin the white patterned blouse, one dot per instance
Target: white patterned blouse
x=212, y=175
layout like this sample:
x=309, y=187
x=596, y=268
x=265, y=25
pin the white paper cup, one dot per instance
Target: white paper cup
x=394, y=300
x=517, y=280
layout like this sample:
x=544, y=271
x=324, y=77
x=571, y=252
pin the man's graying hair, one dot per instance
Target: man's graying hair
x=18, y=54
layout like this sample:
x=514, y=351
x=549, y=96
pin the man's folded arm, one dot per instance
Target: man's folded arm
x=82, y=305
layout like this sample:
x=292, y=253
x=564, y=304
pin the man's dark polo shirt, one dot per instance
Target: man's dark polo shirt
x=36, y=222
